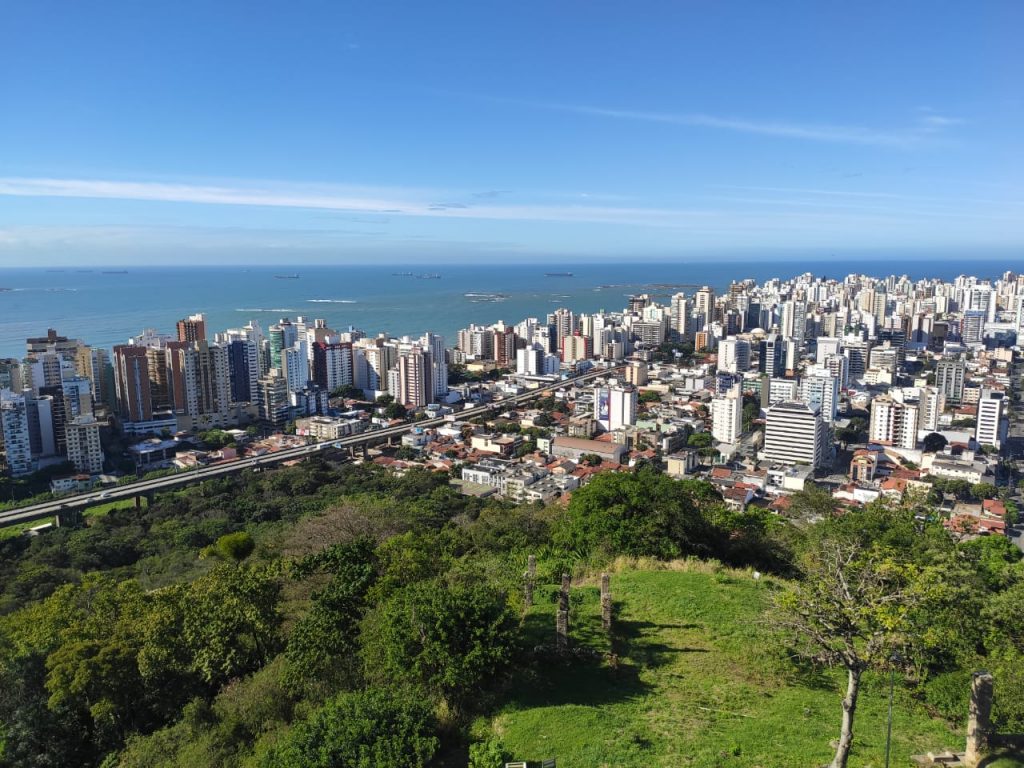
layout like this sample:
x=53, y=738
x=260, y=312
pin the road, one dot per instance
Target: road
x=144, y=487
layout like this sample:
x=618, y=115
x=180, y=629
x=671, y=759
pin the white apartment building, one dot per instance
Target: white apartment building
x=795, y=433
x=727, y=416
x=206, y=380
x=991, y=428
x=83, y=441
x=414, y=380
x=615, y=407
x=893, y=423
x=780, y=390
x=822, y=391
x=734, y=355
x=15, y=433
x=949, y=379
x=932, y=404
x=827, y=345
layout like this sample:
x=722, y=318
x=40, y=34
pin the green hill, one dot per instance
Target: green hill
x=692, y=686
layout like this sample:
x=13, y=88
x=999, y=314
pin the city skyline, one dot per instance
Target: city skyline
x=199, y=135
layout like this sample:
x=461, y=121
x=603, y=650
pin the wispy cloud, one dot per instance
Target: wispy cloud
x=283, y=195
x=922, y=130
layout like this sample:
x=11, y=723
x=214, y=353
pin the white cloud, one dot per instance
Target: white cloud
x=924, y=129
x=409, y=203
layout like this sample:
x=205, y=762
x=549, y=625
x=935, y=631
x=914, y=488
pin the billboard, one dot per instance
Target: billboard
x=603, y=404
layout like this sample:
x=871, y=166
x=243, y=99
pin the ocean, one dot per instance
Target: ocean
x=106, y=306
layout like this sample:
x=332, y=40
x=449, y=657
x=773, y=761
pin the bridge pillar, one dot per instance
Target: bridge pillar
x=366, y=451
x=67, y=518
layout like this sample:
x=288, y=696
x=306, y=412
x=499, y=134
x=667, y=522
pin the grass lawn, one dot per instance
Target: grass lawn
x=698, y=682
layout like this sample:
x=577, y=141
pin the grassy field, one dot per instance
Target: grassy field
x=697, y=682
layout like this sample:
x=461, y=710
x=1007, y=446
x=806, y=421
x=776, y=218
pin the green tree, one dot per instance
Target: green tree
x=348, y=392
x=394, y=410
x=366, y=729
x=234, y=546
x=857, y=607
x=856, y=431
x=811, y=503
x=406, y=453
x=640, y=513
x=230, y=621
x=983, y=491
x=649, y=396
x=933, y=442
x=590, y=459
x=699, y=440
x=447, y=639
x=323, y=645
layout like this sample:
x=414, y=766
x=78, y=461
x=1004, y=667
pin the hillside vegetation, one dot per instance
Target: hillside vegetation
x=698, y=682
x=342, y=615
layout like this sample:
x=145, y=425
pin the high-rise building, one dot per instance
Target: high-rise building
x=206, y=384
x=83, y=442
x=477, y=342
x=433, y=345
x=893, y=423
x=704, y=306
x=794, y=321
x=615, y=407
x=563, y=322
x=680, y=316
x=530, y=361
x=795, y=433
x=838, y=366
x=52, y=343
x=295, y=367
x=576, y=348
x=772, y=355
x=972, y=327
x=821, y=391
x=734, y=355
x=727, y=416
x=283, y=335
x=14, y=428
x=244, y=369
x=636, y=373
x=885, y=357
x=991, y=427
x=932, y=404
x=41, y=430
x=414, y=380
x=827, y=345
x=857, y=353
x=132, y=383
x=949, y=379
x=332, y=364
x=192, y=328
x=274, y=403
x=780, y=390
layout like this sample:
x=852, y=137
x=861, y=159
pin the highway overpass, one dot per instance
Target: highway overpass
x=148, y=488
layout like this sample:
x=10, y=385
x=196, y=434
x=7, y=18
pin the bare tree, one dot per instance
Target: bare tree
x=855, y=606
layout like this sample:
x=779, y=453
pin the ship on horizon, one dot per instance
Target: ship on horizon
x=558, y=274
x=287, y=277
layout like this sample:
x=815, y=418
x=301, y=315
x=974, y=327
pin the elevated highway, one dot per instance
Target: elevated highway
x=71, y=505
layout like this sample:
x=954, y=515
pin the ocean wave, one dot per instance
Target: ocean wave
x=331, y=301
x=261, y=309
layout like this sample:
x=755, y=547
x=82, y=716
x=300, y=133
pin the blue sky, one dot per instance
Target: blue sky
x=338, y=131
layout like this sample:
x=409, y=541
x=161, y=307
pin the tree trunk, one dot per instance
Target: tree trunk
x=849, y=707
